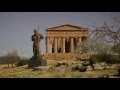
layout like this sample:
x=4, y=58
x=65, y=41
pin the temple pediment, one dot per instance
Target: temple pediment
x=66, y=27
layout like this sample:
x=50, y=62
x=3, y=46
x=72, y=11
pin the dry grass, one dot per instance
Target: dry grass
x=47, y=72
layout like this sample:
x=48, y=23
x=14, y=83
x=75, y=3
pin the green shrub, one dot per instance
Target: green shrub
x=113, y=59
x=108, y=58
x=116, y=48
x=21, y=63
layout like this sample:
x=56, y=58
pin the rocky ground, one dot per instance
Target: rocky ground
x=62, y=69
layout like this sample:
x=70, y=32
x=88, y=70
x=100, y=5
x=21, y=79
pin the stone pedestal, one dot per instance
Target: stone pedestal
x=38, y=62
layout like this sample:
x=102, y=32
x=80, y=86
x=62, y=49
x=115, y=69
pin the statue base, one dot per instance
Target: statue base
x=35, y=63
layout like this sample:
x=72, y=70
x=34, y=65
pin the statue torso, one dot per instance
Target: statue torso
x=36, y=38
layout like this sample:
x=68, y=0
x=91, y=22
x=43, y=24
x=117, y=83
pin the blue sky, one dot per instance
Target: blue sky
x=16, y=28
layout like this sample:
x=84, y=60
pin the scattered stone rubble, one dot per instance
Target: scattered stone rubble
x=104, y=65
x=77, y=65
x=80, y=66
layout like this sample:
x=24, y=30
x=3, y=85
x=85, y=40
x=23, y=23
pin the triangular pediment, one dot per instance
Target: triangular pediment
x=65, y=27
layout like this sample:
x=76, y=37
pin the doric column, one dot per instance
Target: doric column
x=55, y=45
x=79, y=39
x=71, y=45
x=47, y=45
x=63, y=47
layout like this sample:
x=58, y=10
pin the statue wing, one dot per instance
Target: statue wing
x=32, y=38
x=41, y=36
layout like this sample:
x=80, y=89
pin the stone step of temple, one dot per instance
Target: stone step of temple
x=63, y=56
x=59, y=56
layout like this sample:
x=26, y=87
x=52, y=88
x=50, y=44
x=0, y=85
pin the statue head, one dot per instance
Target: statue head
x=35, y=31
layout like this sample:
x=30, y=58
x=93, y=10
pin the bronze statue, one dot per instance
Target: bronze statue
x=36, y=38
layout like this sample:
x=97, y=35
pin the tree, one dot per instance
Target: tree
x=11, y=57
x=116, y=48
x=104, y=37
x=101, y=39
x=82, y=47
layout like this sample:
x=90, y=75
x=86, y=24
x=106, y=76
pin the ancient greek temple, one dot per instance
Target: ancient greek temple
x=61, y=41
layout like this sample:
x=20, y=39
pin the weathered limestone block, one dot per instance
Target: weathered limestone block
x=98, y=66
x=114, y=66
x=89, y=68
